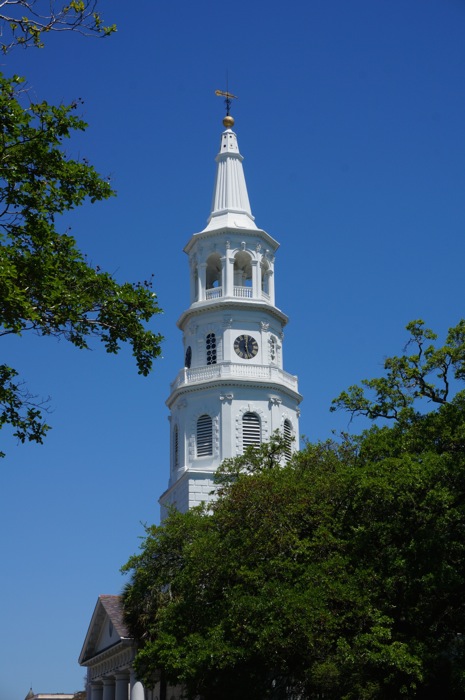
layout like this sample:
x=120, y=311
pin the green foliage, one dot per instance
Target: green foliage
x=25, y=22
x=427, y=373
x=46, y=284
x=339, y=574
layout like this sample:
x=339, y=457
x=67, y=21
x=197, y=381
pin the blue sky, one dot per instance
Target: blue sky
x=351, y=119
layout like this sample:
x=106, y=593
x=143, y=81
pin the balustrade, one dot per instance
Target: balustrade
x=243, y=292
x=233, y=369
x=214, y=293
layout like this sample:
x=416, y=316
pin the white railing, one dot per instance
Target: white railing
x=243, y=292
x=228, y=370
x=214, y=293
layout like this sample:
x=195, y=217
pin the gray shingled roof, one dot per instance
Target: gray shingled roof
x=113, y=605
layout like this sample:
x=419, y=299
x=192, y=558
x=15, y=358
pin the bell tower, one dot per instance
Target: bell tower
x=232, y=391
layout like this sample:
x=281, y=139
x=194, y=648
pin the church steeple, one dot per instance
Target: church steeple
x=233, y=390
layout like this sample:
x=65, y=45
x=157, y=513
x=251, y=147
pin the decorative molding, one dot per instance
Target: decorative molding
x=226, y=397
x=227, y=321
x=216, y=436
x=111, y=661
x=275, y=401
x=264, y=325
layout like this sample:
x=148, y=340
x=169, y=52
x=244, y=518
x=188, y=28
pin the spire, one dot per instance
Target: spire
x=230, y=204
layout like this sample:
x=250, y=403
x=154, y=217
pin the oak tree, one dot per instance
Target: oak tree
x=46, y=284
x=339, y=574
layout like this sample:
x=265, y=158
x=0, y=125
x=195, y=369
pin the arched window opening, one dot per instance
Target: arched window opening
x=251, y=430
x=287, y=439
x=204, y=436
x=242, y=270
x=213, y=272
x=210, y=344
x=176, y=447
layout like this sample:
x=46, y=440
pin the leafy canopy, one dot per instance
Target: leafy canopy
x=427, y=373
x=46, y=284
x=25, y=22
x=339, y=574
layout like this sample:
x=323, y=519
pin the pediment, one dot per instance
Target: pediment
x=106, y=629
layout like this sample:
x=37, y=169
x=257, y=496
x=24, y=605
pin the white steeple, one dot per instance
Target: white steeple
x=233, y=390
x=230, y=204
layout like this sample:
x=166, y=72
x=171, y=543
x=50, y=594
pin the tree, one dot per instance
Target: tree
x=339, y=574
x=46, y=284
x=425, y=374
x=25, y=22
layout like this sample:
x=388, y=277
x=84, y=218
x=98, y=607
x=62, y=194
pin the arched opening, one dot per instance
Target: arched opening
x=204, y=436
x=265, y=275
x=213, y=272
x=242, y=269
x=251, y=430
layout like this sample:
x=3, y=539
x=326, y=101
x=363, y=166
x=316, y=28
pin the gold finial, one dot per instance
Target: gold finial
x=228, y=121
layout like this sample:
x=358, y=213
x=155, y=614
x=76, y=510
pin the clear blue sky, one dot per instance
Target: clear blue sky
x=351, y=118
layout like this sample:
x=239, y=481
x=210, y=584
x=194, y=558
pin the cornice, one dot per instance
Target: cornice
x=227, y=231
x=223, y=303
x=186, y=389
x=115, y=650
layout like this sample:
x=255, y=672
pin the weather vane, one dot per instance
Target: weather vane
x=228, y=97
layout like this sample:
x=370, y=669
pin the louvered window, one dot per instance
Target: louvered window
x=251, y=430
x=176, y=447
x=287, y=439
x=211, y=349
x=204, y=436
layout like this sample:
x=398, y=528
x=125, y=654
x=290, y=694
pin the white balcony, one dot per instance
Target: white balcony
x=240, y=292
x=234, y=370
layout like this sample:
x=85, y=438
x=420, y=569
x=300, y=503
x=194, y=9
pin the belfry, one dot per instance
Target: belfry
x=232, y=391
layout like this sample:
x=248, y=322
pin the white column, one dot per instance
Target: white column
x=256, y=286
x=224, y=275
x=202, y=281
x=271, y=286
x=122, y=686
x=96, y=691
x=108, y=689
x=193, y=268
x=229, y=276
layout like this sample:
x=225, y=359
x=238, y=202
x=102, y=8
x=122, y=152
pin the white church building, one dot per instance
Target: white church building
x=232, y=392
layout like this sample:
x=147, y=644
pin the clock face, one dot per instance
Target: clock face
x=245, y=346
x=188, y=359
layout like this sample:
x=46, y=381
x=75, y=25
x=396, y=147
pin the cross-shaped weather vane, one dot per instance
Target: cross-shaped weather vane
x=228, y=97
